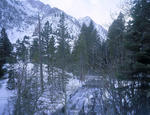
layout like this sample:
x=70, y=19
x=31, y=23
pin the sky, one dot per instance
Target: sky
x=101, y=11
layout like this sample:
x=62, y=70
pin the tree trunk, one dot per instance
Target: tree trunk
x=40, y=48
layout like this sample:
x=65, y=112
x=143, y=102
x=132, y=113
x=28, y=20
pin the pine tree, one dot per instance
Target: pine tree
x=137, y=68
x=115, y=41
x=52, y=49
x=80, y=54
x=49, y=48
x=6, y=46
x=63, y=53
x=45, y=34
x=51, y=57
x=34, y=52
x=40, y=40
x=93, y=42
x=87, y=45
x=63, y=49
x=5, y=50
x=22, y=49
x=138, y=41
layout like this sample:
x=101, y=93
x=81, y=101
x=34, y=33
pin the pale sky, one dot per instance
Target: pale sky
x=98, y=10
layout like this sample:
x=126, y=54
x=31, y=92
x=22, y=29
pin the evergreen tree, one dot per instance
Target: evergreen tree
x=5, y=50
x=40, y=40
x=87, y=45
x=22, y=50
x=51, y=58
x=49, y=48
x=115, y=43
x=138, y=43
x=52, y=49
x=93, y=42
x=63, y=49
x=137, y=68
x=6, y=46
x=34, y=52
x=80, y=54
x=48, y=43
x=63, y=54
x=47, y=30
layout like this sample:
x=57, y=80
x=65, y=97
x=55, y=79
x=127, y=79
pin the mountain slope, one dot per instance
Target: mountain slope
x=19, y=17
x=101, y=31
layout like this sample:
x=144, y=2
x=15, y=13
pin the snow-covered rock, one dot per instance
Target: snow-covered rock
x=90, y=99
x=19, y=17
x=101, y=31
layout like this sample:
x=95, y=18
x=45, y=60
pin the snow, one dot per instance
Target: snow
x=28, y=23
x=15, y=33
x=45, y=101
x=51, y=100
x=73, y=85
x=86, y=20
x=72, y=25
x=83, y=97
x=101, y=31
x=78, y=95
x=5, y=96
x=75, y=90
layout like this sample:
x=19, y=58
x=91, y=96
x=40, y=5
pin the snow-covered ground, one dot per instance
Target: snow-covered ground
x=5, y=95
x=45, y=101
x=79, y=94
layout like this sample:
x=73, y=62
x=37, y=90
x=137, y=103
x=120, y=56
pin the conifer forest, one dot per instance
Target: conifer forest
x=52, y=63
